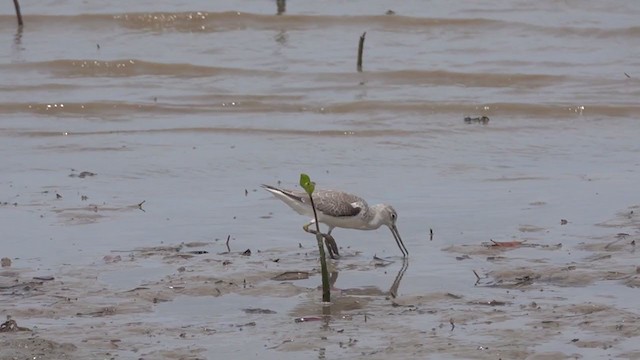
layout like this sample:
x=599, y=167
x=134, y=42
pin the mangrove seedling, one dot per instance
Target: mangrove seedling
x=309, y=187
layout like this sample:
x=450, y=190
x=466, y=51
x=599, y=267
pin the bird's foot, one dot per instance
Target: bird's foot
x=306, y=228
x=330, y=242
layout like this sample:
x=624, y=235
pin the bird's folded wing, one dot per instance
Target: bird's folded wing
x=338, y=204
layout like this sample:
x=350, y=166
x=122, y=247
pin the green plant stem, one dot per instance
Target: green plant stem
x=326, y=288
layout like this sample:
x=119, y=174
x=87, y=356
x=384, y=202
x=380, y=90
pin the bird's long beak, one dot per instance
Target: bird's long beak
x=396, y=235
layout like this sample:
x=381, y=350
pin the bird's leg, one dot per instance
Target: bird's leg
x=329, y=241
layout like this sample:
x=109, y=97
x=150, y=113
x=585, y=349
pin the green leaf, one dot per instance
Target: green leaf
x=307, y=184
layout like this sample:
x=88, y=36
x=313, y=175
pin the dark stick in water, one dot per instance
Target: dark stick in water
x=281, y=6
x=18, y=14
x=360, y=50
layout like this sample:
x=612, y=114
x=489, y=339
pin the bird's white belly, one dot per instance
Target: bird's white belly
x=347, y=222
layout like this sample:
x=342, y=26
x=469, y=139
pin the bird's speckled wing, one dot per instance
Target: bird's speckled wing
x=329, y=202
x=338, y=203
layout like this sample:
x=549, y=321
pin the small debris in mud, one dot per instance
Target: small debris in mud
x=58, y=196
x=258, y=311
x=477, y=277
x=106, y=311
x=110, y=259
x=484, y=120
x=247, y=252
x=276, y=260
x=563, y=222
x=21, y=287
x=11, y=326
x=463, y=257
x=253, y=323
x=83, y=174
x=395, y=304
x=627, y=75
x=246, y=192
x=619, y=237
x=453, y=326
x=43, y=278
x=84, y=198
x=495, y=258
x=140, y=205
x=198, y=252
x=488, y=303
x=5, y=262
x=549, y=323
x=379, y=262
x=282, y=343
x=195, y=244
x=597, y=257
x=308, y=318
x=430, y=234
x=454, y=296
x=525, y=280
x=226, y=262
x=291, y=275
x=517, y=244
x=391, y=12
x=506, y=243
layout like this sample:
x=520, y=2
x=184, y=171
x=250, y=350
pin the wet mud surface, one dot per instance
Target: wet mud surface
x=208, y=301
x=133, y=226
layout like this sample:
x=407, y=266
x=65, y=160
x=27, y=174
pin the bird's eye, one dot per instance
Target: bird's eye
x=393, y=216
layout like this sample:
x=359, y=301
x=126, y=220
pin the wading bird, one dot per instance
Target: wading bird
x=340, y=209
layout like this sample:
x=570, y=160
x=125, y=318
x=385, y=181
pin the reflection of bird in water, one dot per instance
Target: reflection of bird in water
x=340, y=209
x=393, y=289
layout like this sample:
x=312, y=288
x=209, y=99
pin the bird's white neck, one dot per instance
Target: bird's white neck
x=377, y=220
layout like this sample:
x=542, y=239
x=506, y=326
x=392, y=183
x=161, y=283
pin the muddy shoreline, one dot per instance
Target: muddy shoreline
x=517, y=308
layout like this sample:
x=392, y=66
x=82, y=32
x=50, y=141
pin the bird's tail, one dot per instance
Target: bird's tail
x=296, y=202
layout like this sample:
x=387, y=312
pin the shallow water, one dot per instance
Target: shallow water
x=187, y=106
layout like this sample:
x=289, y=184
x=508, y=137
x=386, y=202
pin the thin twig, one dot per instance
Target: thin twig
x=477, y=277
x=227, y=243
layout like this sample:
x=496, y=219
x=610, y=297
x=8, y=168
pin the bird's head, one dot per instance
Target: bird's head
x=389, y=216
